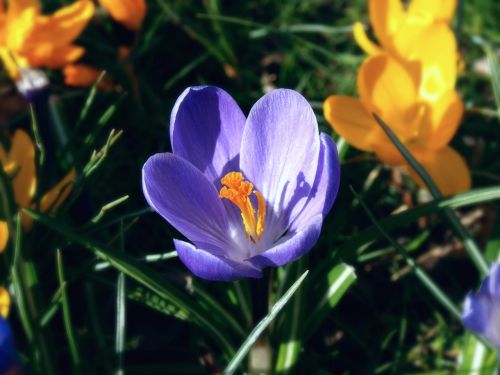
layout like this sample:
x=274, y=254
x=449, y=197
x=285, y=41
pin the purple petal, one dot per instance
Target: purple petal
x=476, y=313
x=8, y=356
x=291, y=246
x=279, y=153
x=326, y=184
x=181, y=194
x=493, y=281
x=482, y=315
x=210, y=267
x=206, y=127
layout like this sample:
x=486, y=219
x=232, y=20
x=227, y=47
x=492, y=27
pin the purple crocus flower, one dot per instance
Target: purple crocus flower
x=246, y=192
x=482, y=310
x=9, y=362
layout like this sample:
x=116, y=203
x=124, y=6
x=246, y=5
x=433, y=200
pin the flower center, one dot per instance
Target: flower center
x=238, y=191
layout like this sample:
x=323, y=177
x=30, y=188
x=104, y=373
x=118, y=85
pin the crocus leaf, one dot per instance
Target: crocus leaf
x=470, y=245
x=142, y=274
x=477, y=358
x=340, y=278
x=261, y=326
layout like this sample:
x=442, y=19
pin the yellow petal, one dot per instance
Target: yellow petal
x=386, y=17
x=4, y=302
x=446, y=167
x=349, y=118
x=446, y=114
x=22, y=163
x=4, y=235
x=130, y=13
x=437, y=51
x=56, y=196
x=64, y=26
x=388, y=89
x=437, y=10
x=51, y=56
x=363, y=41
x=16, y=7
x=11, y=65
x=80, y=75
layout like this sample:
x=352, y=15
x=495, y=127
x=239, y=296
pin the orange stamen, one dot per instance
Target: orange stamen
x=237, y=190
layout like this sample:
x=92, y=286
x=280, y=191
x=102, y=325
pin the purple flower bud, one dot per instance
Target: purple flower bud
x=482, y=309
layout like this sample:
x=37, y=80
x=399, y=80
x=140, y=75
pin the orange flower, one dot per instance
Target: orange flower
x=393, y=91
x=19, y=163
x=30, y=39
x=4, y=302
x=130, y=13
x=81, y=75
x=418, y=35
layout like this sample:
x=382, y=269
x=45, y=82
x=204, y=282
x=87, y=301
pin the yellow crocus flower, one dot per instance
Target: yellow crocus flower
x=130, y=13
x=393, y=91
x=19, y=163
x=418, y=35
x=4, y=302
x=30, y=39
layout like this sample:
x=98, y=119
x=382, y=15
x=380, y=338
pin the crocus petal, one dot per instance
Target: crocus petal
x=350, y=119
x=443, y=122
x=130, y=13
x=291, y=246
x=441, y=10
x=446, y=167
x=206, y=127
x=326, y=185
x=363, y=41
x=476, y=313
x=279, y=153
x=4, y=302
x=387, y=88
x=493, y=281
x=22, y=165
x=4, y=235
x=58, y=194
x=208, y=266
x=50, y=56
x=385, y=16
x=436, y=51
x=81, y=75
x=64, y=26
x=8, y=356
x=180, y=193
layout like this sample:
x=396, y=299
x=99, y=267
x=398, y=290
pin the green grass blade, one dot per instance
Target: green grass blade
x=121, y=296
x=495, y=73
x=432, y=287
x=291, y=331
x=68, y=326
x=477, y=358
x=120, y=322
x=467, y=240
x=144, y=275
x=261, y=326
x=340, y=278
x=367, y=236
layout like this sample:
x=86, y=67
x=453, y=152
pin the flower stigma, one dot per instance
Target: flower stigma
x=237, y=190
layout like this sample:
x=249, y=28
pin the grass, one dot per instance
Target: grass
x=91, y=298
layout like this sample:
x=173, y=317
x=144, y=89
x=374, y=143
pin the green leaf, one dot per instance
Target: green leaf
x=431, y=286
x=145, y=276
x=477, y=358
x=291, y=327
x=391, y=223
x=340, y=278
x=68, y=326
x=470, y=245
x=259, y=328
